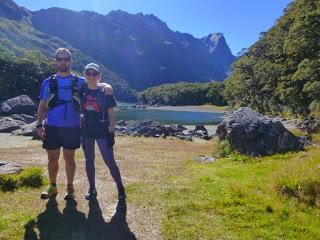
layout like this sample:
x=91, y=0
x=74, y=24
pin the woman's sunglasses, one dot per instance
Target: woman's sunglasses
x=93, y=74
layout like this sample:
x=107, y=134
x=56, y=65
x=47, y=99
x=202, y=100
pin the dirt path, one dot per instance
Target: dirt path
x=139, y=159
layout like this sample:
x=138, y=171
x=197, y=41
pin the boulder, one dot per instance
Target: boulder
x=8, y=168
x=8, y=124
x=200, y=128
x=251, y=133
x=121, y=123
x=26, y=130
x=148, y=128
x=27, y=119
x=18, y=105
x=310, y=125
x=177, y=127
x=204, y=159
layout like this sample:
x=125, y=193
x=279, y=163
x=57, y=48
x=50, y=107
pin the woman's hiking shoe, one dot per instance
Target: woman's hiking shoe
x=91, y=194
x=121, y=193
x=51, y=191
x=70, y=193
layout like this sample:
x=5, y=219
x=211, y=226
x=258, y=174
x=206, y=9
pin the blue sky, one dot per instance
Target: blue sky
x=241, y=21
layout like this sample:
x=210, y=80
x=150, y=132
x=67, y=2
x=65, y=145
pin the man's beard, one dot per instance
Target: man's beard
x=64, y=68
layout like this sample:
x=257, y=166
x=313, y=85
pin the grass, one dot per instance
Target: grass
x=19, y=201
x=213, y=107
x=275, y=197
x=236, y=197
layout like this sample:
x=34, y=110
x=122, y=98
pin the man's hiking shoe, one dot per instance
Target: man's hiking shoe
x=121, y=194
x=91, y=194
x=70, y=193
x=51, y=191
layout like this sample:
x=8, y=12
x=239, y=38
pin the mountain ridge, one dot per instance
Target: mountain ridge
x=140, y=49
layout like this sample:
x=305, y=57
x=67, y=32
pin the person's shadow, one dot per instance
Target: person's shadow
x=117, y=228
x=73, y=225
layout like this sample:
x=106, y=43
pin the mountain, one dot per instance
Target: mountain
x=10, y=10
x=140, y=48
x=137, y=50
x=220, y=51
x=20, y=40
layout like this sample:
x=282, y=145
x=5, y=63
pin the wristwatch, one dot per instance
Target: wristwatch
x=39, y=125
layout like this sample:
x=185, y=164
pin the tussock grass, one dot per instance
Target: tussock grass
x=29, y=177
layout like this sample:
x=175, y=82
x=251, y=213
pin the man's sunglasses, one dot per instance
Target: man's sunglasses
x=93, y=74
x=66, y=59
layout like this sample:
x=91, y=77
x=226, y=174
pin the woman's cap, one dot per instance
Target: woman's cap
x=92, y=66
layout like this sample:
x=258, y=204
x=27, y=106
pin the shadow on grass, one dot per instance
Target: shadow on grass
x=73, y=224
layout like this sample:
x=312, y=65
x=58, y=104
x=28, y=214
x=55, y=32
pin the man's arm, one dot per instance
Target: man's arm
x=41, y=115
x=107, y=88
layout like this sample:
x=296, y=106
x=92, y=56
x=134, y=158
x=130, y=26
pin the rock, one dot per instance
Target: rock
x=8, y=168
x=200, y=132
x=26, y=130
x=251, y=133
x=27, y=119
x=121, y=123
x=205, y=159
x=306, y=140
x=310, y=125
x=18, y=105
x=200, y=127
x=8, y=124
x=131, y=123
x=148, y=128
x=177, y=127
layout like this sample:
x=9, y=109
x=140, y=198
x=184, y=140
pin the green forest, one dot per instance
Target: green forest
x=184, y=94
x=280, y=74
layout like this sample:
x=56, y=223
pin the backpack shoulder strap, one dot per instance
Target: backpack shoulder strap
x=76, y=101
x=83, y=92
x=102, y=101
x=53, y=84
x=53, y=88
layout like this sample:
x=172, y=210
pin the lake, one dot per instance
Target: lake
x=168, y=115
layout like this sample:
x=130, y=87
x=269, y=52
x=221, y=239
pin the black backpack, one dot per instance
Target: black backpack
x=54, y=101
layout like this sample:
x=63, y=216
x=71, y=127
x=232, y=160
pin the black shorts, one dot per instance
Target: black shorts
x=66, y=137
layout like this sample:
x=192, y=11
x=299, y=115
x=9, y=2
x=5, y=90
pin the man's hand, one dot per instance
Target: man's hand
x=41, y=132
x=42, y=112
x=107, y=89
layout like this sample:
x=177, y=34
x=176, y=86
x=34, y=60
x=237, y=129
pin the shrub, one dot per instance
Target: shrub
x=225, y=148
x=29, y=177
x=8, y=182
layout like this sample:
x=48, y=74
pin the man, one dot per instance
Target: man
x=59, y=106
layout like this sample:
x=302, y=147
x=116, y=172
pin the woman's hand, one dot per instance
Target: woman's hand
x=110, y=140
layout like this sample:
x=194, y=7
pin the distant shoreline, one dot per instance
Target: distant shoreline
x=188, y=108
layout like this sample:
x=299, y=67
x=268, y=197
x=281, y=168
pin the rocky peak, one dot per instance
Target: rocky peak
x=214, y=41
x=10, y=10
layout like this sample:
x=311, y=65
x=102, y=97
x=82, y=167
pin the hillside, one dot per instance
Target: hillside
x=281, y=72
x=137, y=51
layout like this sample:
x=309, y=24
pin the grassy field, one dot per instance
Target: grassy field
x=274, y=197
x=170, y=196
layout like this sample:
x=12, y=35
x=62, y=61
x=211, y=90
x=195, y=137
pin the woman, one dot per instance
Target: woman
x=97, y=125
